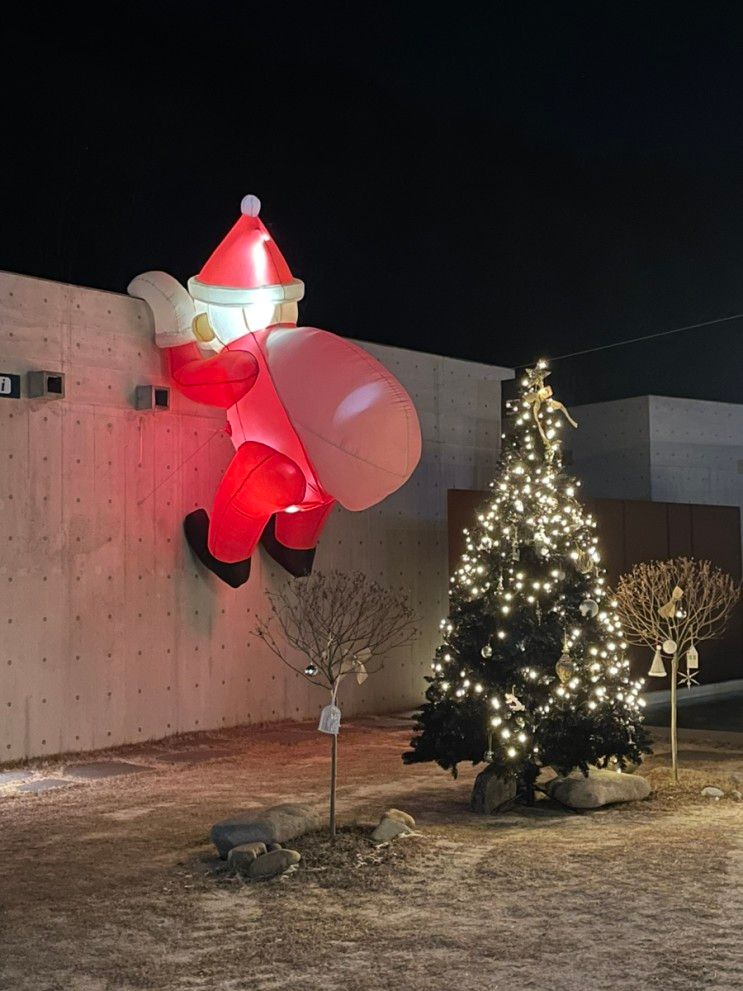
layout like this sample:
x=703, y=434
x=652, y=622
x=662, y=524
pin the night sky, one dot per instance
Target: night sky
x=494, y=182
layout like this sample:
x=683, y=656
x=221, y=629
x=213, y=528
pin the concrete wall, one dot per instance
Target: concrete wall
x=110, y=632
x=696, y=451
x=660, y=448
x=610, y=449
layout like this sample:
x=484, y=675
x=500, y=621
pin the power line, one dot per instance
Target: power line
x=637, y=340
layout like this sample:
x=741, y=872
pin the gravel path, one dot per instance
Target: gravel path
x=111, y=886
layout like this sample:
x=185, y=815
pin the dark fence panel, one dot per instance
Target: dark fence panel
x=632, y=531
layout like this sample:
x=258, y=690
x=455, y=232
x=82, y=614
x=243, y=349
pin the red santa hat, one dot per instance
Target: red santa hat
x=247, y=266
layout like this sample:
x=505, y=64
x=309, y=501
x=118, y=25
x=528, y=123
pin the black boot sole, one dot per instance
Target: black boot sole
x=297, y=563
x=196, y=529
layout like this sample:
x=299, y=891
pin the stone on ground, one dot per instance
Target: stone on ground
x=44, y=784
x=401, y=817
x=389, y=829
x=274, y=825
x=13, y=777
x=546, y=774
x=601, y=787
x=711, y=792
x=104, y=769
x=241, y=857
x=275, y=862
x=490, y=792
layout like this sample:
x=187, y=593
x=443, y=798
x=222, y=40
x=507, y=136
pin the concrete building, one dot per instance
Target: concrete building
x=661, y=449
x=111, y=633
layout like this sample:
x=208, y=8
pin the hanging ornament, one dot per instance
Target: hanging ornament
x=584, y=562
x=489, y=755
x=487, y=651
x=669, y=646
x=565, y=668
x=589, y=608
x=311, y=670
x=359, y=660
x=688, y=677
x=668, y=611
x=560, y=575
x=513, y=702
x=657, y=668
x=330, y=720
x=538, y=611
x=499, y=586
x=519, y=467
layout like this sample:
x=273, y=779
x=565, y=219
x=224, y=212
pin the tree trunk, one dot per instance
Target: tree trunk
x=674, y=741
x=333, y=779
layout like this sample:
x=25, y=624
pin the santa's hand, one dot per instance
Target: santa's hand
x=171, y=305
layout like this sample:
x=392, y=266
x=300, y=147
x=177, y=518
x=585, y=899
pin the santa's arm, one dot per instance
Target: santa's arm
x=218, y=381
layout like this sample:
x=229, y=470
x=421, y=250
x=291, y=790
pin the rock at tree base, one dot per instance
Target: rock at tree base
x=274, y=825
x=273, y=863
x=388, y=829
x=403, y=817
x=601, y=787
x=711, y=792
x=490, y=793
x=274, y=846
x=545, y=776
x=241, y=857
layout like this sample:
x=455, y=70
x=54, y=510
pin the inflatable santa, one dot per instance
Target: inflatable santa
x=315, y=420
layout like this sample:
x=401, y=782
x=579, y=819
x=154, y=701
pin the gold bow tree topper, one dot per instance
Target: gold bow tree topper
x=539, y=396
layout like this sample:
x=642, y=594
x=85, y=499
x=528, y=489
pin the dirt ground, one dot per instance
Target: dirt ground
x=112, y=885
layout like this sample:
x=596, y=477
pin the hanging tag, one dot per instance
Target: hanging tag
x=692, y=659
x=330, y=720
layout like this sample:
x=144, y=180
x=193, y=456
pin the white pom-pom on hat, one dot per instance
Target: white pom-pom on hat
x=250, y=205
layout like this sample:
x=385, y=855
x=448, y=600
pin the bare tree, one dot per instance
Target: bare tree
x=343, y=624
x=672, y=606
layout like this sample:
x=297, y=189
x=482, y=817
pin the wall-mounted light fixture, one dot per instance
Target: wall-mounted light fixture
x=46, y=385
x=152, y=397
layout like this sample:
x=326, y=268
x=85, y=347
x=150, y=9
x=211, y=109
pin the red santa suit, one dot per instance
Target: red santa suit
x=315, y=420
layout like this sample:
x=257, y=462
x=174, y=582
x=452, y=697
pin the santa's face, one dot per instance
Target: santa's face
x=230, y=323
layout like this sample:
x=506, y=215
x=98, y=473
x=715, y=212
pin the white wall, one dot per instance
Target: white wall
x=696, y=451
x=611, y=448
x=662, y=449
x=110, y=632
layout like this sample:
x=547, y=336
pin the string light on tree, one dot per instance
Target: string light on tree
x=532, y=670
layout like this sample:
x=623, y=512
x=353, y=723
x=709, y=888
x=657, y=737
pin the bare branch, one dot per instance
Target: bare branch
x=332, y=618
x=702, y=614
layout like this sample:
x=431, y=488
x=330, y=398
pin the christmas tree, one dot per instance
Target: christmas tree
x=532, y=671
